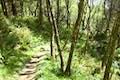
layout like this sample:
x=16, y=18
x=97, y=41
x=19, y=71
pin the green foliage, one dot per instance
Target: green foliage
x=118, y=51
x=18, y=40
x=81, y=69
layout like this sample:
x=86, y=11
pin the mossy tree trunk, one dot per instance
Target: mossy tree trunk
x=75, y=36
x=108, y=17
x=112, y=46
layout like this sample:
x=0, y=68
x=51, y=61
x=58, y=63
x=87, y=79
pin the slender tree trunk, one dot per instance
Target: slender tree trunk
x=52, y=41
x=104, y=61
x=21, y=10
x=4, y=8
x=9, y=7
x=58, y=13
x=52, y=44
x=88, y=29
x=14, y=11
x=75, y=36
x=56, y=35
x=30, y=8
x=35, y=12
x=40, y=14
x=68, y=13
x=111, y=47
x=24, y=8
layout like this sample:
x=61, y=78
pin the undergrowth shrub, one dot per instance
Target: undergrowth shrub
x=16, y=38
x=23, y=35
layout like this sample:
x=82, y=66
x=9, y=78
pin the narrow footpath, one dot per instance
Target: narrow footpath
x=29, y=72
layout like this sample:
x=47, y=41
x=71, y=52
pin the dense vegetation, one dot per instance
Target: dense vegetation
x=82, y=38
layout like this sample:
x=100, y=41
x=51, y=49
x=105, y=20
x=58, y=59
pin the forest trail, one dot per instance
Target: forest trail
x=29, y=72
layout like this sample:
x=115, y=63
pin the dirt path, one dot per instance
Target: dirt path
x=30, y=69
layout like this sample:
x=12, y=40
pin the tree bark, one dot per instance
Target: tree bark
x=4, y=8
x=52, y=41
x=88, y=29
x=58, y=13
x=9, y=7
x=68, y=13
x=112, y=46
x=21, y=10
x=56, y=35
x=75, y=36
x=104, y=61
x=14, y=11
x=40, y=14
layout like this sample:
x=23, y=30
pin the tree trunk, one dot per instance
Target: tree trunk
x=4, y=8
x=56, y=35
x=58, y=13
x=9, y=7
x=35, y=12
x=111, y=47
x=52, y=44
x=104, y=61
x=13, y=7
x=21, y=10
x=40, y=14
x=88, y=29
x=68, y=13
x=52, y=47
x=75, y=36
x=14, y=11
